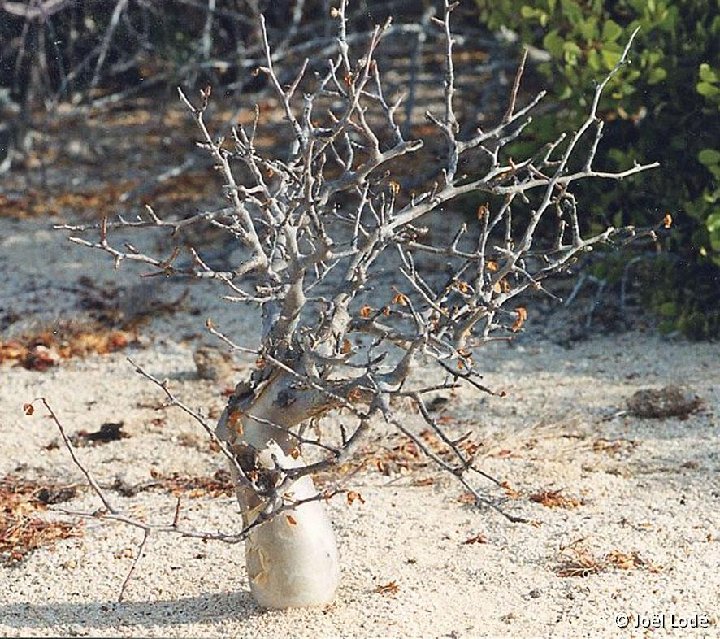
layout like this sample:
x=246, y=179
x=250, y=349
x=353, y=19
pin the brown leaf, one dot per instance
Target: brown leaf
x=29, y=409
x=218, y=484
x=390, y=588
x=41, y=358
x=578, y=562
x=12, y=350
x=555, y=499
x=627, y=561
x=21, y=531
x=234, y=420
x=291, y=520
x=477, y=539
x=39, y=351
x=667, y=220
x=509, y=490
x=365, y=311
x=401, y=299
x=353, y=496
x=503, y=453
x=482, y=211
x=461, y=286
x=621, y=560
x=521, y=316
x=346, y=346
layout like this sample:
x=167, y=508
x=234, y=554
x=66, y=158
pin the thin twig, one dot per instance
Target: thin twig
x=71, y=449
x=136, y=560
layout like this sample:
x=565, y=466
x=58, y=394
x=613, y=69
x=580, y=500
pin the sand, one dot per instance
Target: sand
x=638, y=536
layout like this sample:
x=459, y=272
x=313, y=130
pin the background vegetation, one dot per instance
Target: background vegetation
x=664, y=106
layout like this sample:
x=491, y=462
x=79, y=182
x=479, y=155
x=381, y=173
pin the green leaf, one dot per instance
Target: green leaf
x=588, y=28
x=611, y=31
x=709, y=157
x=571, y=52
x=593, y=60
x=706, y=89
x=658, y=74
x=571, y=10
x=713, y=222
x=610, y=58
x=707, y=74
x=713, y=227
x=554, y=44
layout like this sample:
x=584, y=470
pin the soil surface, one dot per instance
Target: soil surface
x=623, y=532
x=624, y=511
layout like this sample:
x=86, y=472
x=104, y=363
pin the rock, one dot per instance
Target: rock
x=670, y=401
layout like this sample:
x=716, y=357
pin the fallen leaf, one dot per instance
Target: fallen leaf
x=555, y=499
x=353, y=496
x=621, y=560
x=390, y=588
x=21, y=531
x=509, y=490
x=29, y=409
x=577, y=561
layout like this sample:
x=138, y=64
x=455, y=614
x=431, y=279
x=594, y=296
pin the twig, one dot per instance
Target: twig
x=71, y=449
x=136, y=560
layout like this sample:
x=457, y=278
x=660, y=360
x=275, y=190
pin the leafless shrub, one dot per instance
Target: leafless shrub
x=341, y=258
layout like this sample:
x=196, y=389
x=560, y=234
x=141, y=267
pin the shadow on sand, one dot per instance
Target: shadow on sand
x=209, y=608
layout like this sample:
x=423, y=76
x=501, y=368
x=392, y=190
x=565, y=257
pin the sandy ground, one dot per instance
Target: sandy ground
x=639, y=532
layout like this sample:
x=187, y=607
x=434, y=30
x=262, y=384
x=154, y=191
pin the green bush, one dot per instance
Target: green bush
x=664, y=106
